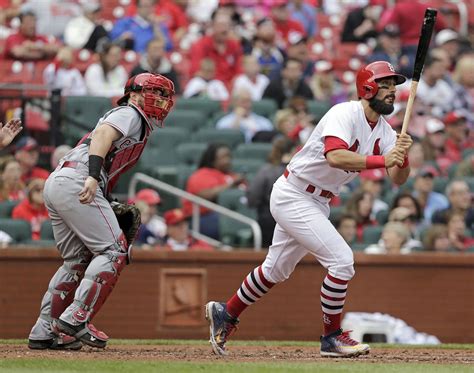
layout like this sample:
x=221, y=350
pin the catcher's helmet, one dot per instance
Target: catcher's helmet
x=367, y=86
x=158, y=92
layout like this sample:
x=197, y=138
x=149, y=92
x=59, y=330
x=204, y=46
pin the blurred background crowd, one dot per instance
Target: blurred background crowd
x=253, y=79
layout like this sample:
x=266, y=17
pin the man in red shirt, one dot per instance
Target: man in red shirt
x=224, y=51
x=27, y=154
x=26, y=45
x=287, y=28
x=32, y=208
x=457, y=135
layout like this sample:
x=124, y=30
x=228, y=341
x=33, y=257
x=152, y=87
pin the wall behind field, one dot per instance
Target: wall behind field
x=162, y=294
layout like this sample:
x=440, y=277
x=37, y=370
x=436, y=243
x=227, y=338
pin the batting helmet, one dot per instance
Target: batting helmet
x=158, y=92
x=367, y=86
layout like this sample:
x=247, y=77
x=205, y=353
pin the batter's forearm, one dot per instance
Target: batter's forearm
x=346, y=160
x=399, y=175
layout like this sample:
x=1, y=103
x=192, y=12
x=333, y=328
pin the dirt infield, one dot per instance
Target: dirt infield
x=241, y=354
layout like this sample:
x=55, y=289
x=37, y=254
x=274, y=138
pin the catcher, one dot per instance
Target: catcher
x=94, y=243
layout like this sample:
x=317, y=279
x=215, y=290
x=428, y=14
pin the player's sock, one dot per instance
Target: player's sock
x=333, y=295
x=252, y=289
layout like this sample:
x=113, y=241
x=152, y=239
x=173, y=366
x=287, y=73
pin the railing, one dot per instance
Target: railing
x=196, y=203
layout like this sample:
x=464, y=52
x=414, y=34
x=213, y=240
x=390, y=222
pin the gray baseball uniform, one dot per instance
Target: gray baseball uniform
x=88, y=236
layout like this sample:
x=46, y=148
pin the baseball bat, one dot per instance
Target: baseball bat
x=423, y=44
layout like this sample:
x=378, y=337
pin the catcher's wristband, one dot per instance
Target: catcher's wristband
x=374, y=161
x=95, y=165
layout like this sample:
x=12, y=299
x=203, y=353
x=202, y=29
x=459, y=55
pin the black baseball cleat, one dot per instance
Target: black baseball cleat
x=221, y=326
x=85, y=332
x=340, y=344
x=59, y=342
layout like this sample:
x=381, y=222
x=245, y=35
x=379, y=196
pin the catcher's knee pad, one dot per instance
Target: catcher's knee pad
x=102, y=275
x=64, y=284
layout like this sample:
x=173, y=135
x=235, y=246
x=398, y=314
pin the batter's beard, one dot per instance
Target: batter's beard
x=381, y=107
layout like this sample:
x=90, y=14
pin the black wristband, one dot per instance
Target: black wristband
x=95, y=165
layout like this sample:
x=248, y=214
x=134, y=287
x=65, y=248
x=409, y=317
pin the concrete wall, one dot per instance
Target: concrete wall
x=161, y=294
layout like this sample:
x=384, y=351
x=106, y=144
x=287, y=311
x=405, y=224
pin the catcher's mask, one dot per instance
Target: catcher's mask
x=157, y=91
x=367, y=86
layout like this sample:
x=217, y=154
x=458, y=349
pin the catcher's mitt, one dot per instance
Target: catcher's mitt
x=129, y=219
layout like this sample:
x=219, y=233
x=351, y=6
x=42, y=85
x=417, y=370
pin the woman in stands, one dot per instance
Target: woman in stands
x=107, y=77
x=11, y=186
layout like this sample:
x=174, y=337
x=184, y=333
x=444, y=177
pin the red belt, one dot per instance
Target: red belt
x=71, y=164
x=311, y=188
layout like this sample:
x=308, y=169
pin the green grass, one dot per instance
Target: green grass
x=58, y=366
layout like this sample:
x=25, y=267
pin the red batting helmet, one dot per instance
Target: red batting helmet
x=367, y=86
x=157, y=91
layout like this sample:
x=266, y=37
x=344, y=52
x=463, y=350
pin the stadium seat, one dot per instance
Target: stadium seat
x=6, y=208
x=255, y=150
x=470, y=182
x=81, y=114
x=168, y=137
x=439, y=184
x=190, y=153
x=191, y=120
x=335, y=213
x=19, y=230
x=231, y=231
x=247, y=167
x=152, y=157
x=372, y=233
x=382, y=216
x=265, y=107
x=318, y=108
x=358, y=246
x=227, y=136
x=205, y=106
x=46, y=231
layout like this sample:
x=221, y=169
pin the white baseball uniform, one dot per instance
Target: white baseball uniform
x=299, y=200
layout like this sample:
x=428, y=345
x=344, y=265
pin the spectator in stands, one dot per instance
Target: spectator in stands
x=27, y=155
x=155, y=224
x=325, y=86
x=290, y=84
x=32, y=208
x=457, y=232
x=243, y=118
x=61, y=74
x=57, y=154
x=269, y=56
x=251, y=79
x=361, y=23
x=156, y=62
x=360, y=205
x=305, y=122
x=11, y=186
x=408, y=15
x=212, y=177
x=466, y=167
x=416, y=158
x=285, y=123
x=433, y=90
x=449, y=41
x=372, y=181
x=434, y=143
x=172, y=15
x=136, y=31
x=144, y=235
x=460, y=201
x=258, y=193
x=298, y=50
x=436, y=238
x=52, y=15
x=284, y=25
x=86, y=31
x=346, y=225
x=406, y=199
x=26, y=44
x=463, y=85
x=219, y=47
x=304, y=13
x=403, y=215
x=429, y=200
x=393, y=241
x=106, y=77
x=178, y=237
x=204, y=84
x=9, y=131
x=389, y=49
x=457, y=132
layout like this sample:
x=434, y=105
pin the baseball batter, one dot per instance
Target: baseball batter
x=87, y=232
x=351, y=137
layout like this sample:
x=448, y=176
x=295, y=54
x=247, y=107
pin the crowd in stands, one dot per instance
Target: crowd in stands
x=295, y=53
